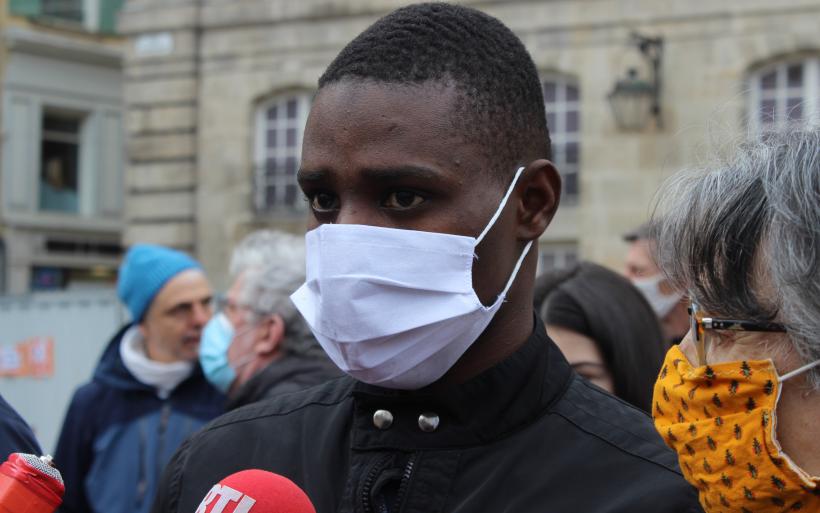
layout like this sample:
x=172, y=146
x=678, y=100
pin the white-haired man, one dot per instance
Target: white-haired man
x=259, y=346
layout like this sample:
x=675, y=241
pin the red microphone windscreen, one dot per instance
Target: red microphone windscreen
x=255, y=491
x=29, y=484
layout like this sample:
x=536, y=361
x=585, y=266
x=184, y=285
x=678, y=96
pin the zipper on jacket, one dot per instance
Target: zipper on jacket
x=164, y=418
x=142, y=471
x=405, y=481
x=367, y=487
x=370, y=480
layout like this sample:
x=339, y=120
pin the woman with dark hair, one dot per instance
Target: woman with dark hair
x=605, y=328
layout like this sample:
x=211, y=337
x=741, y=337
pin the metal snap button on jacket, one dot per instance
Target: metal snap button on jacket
x=382, y=419
x=428, y=422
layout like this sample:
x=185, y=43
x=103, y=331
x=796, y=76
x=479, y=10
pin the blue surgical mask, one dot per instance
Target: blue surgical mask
x=213, y=352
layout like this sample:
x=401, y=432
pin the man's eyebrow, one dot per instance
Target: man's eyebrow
x=179, y=306
x=375, y=173
x=303, y=175
x=189, y=304
x=399, y=172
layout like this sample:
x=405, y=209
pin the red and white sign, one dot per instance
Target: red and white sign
x=33, y=357
x=224, y=499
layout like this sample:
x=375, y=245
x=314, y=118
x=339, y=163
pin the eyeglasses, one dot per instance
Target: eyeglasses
x=702, y=328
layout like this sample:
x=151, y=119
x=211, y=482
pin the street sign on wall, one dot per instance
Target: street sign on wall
x=50, y=344
x=32, y=357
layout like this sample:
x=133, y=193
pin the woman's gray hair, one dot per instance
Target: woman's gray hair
x=272, y=266
x=743, y=236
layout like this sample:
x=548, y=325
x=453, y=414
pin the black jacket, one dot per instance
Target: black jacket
x=528, y=435
x=292, y=373
x=15, y=435
x=118, y=435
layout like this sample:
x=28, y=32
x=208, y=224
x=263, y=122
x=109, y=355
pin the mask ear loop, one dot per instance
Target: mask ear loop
x=248, y=358
x=492, y=222
x=516, y=268
x=799, y=370
x=500, y=207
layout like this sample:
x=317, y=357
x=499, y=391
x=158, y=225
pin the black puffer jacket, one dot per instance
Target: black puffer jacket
x=526, y=436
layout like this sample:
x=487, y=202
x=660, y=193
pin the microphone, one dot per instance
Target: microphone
x=255, y=491
x=29, y=484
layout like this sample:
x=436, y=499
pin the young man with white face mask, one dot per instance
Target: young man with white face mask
x=425, y=162
x=669, y=304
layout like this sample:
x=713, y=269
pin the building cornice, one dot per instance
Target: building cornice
x=43, y=221
x=37, y=42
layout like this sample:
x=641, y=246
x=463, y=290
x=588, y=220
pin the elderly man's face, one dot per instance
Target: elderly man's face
x=388, y=155
x=173, y=323
x=234, y=310
x=639, y=263
x=245, y=323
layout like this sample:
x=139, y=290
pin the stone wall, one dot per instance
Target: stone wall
x=162, y=98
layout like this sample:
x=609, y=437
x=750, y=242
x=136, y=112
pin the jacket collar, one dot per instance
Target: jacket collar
x=294, y=367
x=111, y=370
x=501, y=400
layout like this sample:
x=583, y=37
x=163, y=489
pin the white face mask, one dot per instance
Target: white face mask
x=393, y=307
x=661, y=303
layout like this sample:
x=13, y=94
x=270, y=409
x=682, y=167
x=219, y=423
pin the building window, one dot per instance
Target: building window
x=60, y=162
x=785, y=92
x=554, y=257
x=47, y=278
x=561, y=100
x=70, y=10
x=280, y=124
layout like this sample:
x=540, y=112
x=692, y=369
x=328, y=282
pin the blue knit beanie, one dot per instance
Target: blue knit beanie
x=144, y=271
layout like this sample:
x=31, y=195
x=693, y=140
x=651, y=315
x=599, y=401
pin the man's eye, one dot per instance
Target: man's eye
x=324, y=202
x=403, y=200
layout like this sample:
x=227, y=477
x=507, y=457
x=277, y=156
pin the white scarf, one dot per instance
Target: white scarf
x=163, y=376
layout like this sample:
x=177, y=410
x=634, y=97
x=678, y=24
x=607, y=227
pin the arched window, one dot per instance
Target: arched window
x=562, y=103
x=784, y=92
x=280, y=123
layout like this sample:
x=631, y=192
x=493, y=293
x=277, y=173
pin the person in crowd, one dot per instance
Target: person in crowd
x=739, y=399
x=147, y=394
x=605, y=328
x=670, y=305
x=426, y=166
x=15, y=434
x=259, y=346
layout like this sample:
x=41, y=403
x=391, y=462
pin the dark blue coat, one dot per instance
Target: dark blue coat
x=118, y=435
x=15, y=435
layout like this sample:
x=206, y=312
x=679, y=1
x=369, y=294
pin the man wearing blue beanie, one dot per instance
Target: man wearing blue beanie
x=148, y=393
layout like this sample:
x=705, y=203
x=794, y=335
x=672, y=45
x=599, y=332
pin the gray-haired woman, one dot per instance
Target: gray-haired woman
x=739, y=400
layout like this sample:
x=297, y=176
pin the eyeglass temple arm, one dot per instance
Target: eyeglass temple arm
x=732, y=324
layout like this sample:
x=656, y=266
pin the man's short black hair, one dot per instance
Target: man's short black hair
x=501, y=105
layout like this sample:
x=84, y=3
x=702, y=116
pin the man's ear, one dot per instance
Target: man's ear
x=272, y=336
x=143, y=330
x=540, y=187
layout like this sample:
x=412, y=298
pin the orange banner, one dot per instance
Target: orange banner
x=33, y=357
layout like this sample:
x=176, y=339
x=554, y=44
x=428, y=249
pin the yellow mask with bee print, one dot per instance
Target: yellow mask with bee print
x=720, y=420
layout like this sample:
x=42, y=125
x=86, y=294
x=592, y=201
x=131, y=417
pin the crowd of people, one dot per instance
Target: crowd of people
x=403, y=355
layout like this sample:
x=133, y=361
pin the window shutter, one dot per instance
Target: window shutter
x=110, y=165
x=20, y=162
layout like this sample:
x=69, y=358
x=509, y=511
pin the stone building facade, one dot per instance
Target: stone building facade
x=217, y=92
x=61, y=150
